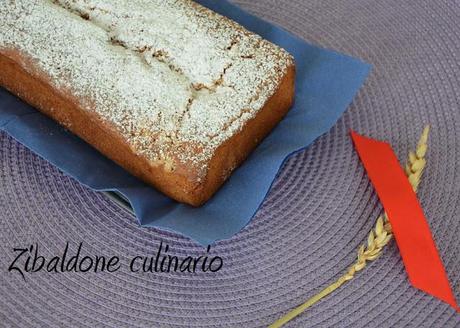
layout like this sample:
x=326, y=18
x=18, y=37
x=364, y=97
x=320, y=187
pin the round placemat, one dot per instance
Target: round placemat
x=306, y=234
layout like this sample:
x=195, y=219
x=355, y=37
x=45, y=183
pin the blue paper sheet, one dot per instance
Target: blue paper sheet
x=326, y=84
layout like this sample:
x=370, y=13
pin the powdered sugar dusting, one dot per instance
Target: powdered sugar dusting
x=175, y=79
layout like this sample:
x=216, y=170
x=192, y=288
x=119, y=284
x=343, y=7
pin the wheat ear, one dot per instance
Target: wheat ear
x=378, y=237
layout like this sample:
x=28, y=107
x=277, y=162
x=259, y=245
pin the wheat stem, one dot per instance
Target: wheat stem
x=377, y=239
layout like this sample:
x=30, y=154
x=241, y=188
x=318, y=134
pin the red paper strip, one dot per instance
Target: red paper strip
x=410, y=228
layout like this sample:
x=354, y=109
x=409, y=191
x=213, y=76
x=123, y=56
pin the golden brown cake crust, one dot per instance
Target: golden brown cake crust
x=180, y=110
x=60, y=105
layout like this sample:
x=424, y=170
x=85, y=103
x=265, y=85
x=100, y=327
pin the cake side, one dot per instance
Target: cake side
x=39, y=92
x=136, y=79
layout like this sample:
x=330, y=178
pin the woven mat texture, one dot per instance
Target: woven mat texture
x=320, y=210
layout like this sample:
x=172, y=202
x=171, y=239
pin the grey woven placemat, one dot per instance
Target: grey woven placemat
x=321, y=208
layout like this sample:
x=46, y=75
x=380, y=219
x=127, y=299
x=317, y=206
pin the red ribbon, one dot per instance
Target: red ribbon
x=410, y=228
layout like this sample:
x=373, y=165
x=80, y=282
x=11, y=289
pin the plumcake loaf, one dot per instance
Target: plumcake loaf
x=173, y=92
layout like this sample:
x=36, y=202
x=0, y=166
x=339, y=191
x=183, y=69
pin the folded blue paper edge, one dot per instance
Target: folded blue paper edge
x=326, y=84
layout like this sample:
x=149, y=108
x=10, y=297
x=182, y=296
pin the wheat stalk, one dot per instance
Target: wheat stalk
x=378, y=238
